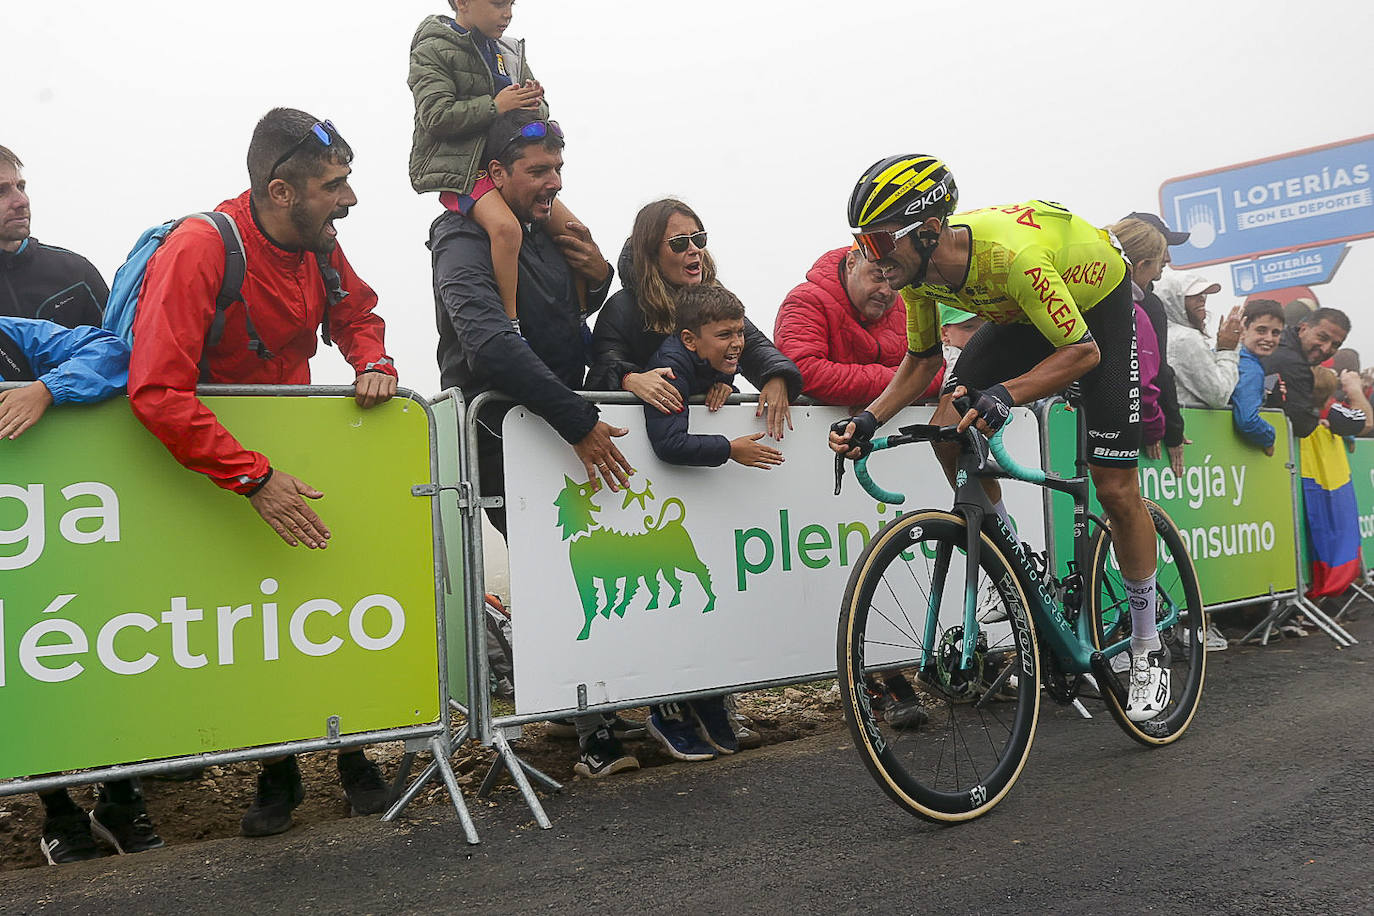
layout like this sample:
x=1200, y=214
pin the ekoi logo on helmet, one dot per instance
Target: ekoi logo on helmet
x=935, y=195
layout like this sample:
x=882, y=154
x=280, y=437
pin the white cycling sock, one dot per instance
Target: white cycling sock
x=1144, y=632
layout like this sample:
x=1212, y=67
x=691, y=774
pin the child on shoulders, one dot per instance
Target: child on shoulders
x=463, y=74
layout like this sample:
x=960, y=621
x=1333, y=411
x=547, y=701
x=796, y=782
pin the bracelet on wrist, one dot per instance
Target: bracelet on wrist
x=259, y=484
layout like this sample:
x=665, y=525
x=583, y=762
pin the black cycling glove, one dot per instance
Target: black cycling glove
x=993, y=405
x=865, y=425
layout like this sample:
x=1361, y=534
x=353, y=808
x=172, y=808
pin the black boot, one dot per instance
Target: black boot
x=279, y=793
x=362, y=782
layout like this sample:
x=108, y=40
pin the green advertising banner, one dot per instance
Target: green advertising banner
x=1362, y=476
x=146, y=613
x=1233, y=504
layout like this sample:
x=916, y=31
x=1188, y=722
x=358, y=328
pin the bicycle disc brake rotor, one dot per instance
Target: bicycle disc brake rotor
x=961, y=685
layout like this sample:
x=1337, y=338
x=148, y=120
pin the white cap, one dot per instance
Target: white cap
x=1194, y=285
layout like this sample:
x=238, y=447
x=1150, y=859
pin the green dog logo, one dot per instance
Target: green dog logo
x=620, y=561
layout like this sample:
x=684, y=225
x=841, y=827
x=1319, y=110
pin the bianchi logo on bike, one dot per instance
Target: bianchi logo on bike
x=616, y=562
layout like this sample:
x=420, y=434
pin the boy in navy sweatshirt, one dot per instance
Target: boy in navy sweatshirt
x=705, y=350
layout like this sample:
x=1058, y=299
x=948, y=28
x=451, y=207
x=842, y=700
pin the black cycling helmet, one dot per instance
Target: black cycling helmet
x=907, y=188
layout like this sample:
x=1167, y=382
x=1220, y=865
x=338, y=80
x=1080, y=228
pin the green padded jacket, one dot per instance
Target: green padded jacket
x=454, y=104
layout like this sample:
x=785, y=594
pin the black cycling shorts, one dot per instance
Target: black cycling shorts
x=1111, y=390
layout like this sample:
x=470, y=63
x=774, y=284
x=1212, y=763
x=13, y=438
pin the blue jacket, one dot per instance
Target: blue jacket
x=78, y=365
x=668, y=432
x=1246, y=400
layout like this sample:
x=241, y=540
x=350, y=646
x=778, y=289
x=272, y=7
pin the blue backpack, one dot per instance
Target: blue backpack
x=128, y=281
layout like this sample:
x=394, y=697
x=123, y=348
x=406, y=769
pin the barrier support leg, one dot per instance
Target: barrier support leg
x=1266, y=627
x=1359, y=591
x=402, y=774
x=506, y=758
x=454, y=792
x=1328, y=626
x=441, y=766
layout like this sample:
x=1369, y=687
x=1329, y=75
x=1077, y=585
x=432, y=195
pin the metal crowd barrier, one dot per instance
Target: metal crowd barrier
x=454, y=490
x=433, y=736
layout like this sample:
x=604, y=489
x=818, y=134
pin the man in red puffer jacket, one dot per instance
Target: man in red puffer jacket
x=845, y=329
x=297, y=283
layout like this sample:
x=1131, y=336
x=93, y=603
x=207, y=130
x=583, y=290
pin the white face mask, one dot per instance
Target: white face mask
x=951, y=354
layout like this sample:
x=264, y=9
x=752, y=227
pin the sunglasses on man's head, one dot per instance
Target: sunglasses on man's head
x=678, y=243
x=877, y=244
x=323, y=131
x=535, y=130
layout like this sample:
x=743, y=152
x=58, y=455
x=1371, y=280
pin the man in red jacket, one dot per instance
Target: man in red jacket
x=845, y=329
x=297, y=277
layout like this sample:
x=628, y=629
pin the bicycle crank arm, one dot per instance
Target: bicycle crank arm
x=1102, y=671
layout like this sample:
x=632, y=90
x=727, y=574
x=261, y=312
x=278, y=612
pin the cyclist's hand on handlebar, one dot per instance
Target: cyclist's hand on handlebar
x=989, y=408
x=853, y=438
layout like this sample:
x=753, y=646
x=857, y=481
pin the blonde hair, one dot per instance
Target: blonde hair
x=654, y=294
x=1141, y=241
x=1324, y=384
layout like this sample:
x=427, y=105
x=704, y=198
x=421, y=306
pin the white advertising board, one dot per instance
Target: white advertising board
x=698, y=578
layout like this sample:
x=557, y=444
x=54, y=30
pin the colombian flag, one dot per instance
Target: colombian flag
x=1333, y=526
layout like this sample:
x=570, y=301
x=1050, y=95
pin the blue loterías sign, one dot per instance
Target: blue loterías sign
x=1306, y=267
x=1324, y=194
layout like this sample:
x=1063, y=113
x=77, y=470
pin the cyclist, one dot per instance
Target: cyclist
x=1055, y=292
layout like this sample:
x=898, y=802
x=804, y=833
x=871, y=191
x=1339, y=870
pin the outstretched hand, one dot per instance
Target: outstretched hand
x=280, y=505
x=750, y=452
x=600, y=456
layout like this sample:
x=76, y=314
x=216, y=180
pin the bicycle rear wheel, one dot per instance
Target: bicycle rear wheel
x=964, y=759
x=1176, y=589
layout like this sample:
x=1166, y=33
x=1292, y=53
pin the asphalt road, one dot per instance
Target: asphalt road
x=1265, y=807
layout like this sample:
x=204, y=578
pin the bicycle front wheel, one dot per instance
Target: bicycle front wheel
x=963, y=751
x=1184, y=627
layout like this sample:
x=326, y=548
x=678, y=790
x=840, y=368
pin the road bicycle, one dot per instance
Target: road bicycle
x=919, y=616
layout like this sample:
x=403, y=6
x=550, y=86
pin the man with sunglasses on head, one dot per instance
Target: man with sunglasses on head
x=297, y=282
x=479, y=350
x=1056, y=295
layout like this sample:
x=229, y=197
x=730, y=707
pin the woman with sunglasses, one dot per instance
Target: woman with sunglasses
x=665, y=252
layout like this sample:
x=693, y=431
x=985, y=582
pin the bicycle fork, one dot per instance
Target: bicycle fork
x=973, y=518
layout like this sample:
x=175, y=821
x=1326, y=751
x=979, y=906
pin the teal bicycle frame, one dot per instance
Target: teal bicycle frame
x=1071, y=644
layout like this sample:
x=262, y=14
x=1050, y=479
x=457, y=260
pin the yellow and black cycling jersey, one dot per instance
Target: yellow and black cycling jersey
x=1032, y=262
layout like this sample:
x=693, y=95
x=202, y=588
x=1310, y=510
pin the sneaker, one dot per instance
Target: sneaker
x=603, y=755
x=732, y=706
x=1149, y=690
x=747, y=737
x=670, y=726
x=714, y=725
x=67, y=838
x=368, y=793
x=991, y=607
x=906, y=715
x=625, y=729
x=279, y=793
x=1216, y=640
x=622, y=728
x=126, y=827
